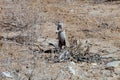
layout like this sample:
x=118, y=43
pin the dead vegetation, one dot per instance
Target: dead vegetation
x=27, y=31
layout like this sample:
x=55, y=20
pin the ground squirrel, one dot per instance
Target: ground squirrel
x=61, y=35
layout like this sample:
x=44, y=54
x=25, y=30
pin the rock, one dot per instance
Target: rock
x=113, y=64
x=54, y=44
x=73, y=71
x=7, y=74
x=48, y=44
x=73, y=68
x=94, y=64
x=64, y=55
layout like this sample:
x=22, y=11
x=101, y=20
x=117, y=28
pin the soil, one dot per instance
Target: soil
x=26, y=27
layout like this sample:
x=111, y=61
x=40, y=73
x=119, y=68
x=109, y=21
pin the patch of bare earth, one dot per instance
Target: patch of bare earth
x=26, y=27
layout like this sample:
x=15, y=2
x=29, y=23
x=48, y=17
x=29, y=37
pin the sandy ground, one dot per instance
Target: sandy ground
x=26, y=24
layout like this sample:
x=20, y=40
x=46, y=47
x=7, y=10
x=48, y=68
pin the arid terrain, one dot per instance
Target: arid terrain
x=28, y=26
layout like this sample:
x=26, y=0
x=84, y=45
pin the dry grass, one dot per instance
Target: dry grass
x=27, y=23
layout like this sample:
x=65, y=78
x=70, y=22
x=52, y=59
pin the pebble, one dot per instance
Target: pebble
x=113, y=64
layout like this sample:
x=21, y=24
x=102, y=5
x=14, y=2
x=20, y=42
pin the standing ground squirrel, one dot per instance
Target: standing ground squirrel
x=61, y=35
